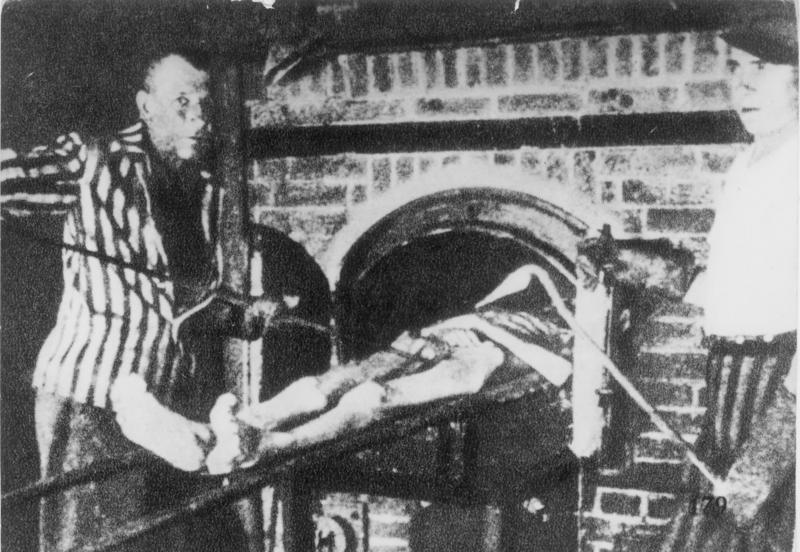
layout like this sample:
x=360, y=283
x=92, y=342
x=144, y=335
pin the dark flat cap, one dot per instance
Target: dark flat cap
x=773, y=40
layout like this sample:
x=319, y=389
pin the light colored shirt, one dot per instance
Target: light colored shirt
x=750, y=285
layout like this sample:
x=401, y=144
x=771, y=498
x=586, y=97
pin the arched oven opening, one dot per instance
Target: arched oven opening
x=435, y=258
x=436, y=276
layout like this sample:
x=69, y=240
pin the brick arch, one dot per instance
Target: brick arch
x=495, y=199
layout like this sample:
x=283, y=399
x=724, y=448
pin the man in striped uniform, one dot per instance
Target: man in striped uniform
x=749, y=295
x=139, y=250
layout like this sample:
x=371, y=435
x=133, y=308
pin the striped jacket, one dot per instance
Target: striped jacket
x=118, y=313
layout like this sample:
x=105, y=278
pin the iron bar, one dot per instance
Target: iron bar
x=701, y=127
x=269, y=470
x=96, y=471
x=621, y=378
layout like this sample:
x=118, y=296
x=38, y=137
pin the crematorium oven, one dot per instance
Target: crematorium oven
x=386, y=166
x=434, y=258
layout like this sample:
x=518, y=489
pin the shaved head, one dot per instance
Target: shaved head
x=171, y=69
x=173, y=105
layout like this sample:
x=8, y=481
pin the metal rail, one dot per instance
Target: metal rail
x=96, y=471
x=272, y=469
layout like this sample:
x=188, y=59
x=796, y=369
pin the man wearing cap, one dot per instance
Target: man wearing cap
x=749, y=296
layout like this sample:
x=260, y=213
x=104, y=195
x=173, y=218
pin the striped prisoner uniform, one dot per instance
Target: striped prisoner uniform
x=748, y=410
x=118, y=311
x=139, y=249
x=742, y=379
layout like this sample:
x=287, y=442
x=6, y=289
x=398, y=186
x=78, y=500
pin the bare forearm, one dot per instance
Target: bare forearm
x=378, y=367
x=311, y=395
x=462, y=374
x=357, y=408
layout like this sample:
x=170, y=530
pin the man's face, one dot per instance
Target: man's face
x=763, y=93
x=174, y=108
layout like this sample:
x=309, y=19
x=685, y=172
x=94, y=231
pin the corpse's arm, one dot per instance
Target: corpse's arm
x=552, y=366
x=45, y=180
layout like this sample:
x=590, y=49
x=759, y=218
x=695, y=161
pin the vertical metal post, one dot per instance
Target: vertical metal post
x=592, y=311
x=298, y=522
x=228, y=127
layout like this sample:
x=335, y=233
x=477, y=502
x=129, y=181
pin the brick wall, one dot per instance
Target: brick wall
x=623, y=74
x=656, y=191
x=630, y=509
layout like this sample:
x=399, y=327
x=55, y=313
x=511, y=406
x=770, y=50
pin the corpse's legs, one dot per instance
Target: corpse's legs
x=463, y=373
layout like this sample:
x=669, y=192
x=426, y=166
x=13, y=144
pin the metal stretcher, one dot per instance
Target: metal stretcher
x=370, y=460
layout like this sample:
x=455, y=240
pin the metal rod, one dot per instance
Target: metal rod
x=617, y=374
x=107, y=467
x=96, y=471
x=153, y=521
x=388, y=430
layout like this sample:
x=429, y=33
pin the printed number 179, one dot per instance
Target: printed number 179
x=711, y=505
